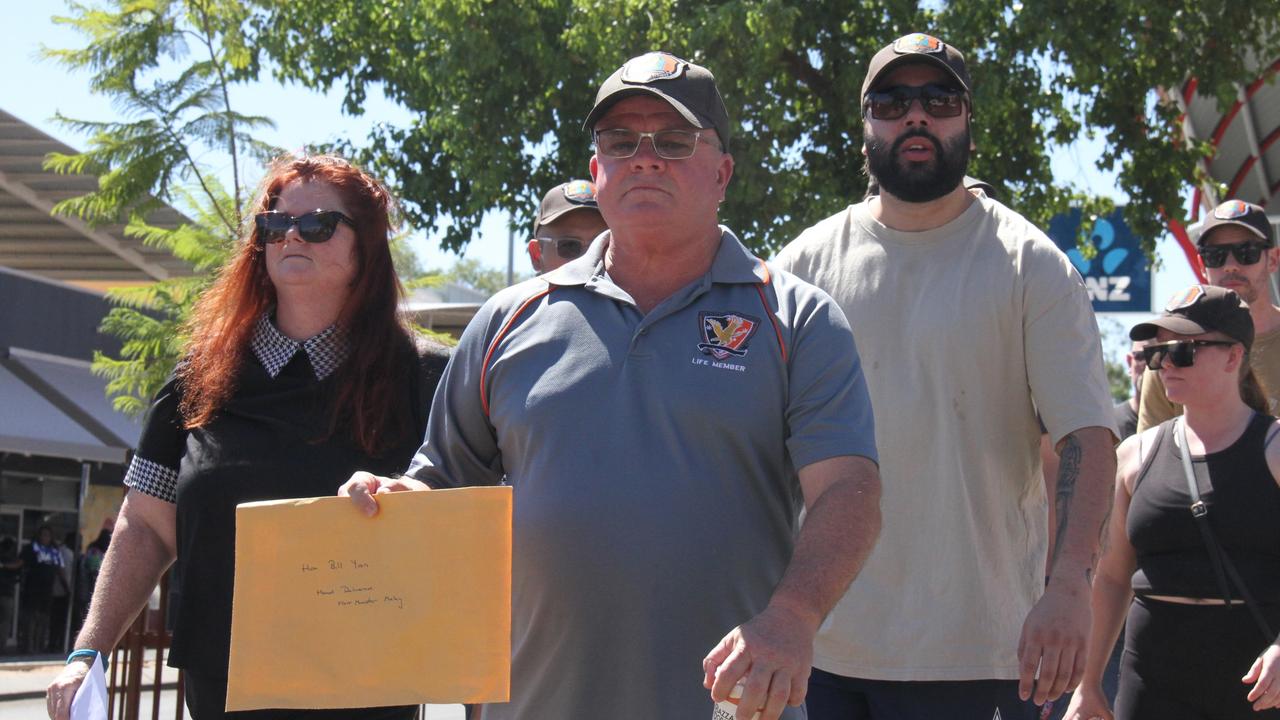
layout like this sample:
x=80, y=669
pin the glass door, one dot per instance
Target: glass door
x=10, y=544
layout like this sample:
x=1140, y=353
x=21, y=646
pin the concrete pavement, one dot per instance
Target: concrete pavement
x=22, y=685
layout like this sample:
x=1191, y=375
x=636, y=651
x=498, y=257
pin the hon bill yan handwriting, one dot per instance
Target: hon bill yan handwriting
x=341, y=582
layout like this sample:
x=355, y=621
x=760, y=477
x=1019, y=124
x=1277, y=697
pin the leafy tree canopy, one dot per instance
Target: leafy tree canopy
x=168, y=66
x=500, y=90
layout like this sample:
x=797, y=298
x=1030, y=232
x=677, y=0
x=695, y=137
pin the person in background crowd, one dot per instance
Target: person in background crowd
x=568, y=220
x=1237, y=245
x=299, y=372
x=1199, y=576
x=91, y=565
x=60, y=604
x=1127, y=410
x=969, y=320
x=41, y=571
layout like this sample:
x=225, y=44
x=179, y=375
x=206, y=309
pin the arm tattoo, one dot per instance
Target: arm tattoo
x=1068, y=474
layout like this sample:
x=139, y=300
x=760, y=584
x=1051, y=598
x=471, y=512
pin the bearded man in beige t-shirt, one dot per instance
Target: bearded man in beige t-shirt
x=1238, y=249
x=969, y=320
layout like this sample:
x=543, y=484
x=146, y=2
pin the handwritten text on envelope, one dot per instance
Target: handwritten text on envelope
x=334, y=609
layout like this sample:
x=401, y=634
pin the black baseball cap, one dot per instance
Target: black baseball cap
x=1238, y=212
x=565, y=198
x=689, y=88
x=916, y=48
x=1202, y=309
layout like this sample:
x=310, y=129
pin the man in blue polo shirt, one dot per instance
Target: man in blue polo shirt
x=663, y=407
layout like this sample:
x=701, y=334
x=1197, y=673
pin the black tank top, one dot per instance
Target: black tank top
x=1244, y=510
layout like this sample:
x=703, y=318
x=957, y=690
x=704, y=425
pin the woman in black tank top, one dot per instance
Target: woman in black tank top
x=1189, y=652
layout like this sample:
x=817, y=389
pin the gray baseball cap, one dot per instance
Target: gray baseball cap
x=916, y=48
x=689, y=88
x=565, y=198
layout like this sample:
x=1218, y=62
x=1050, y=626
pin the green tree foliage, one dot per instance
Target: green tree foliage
x=1115, y=343
x=168, y=66
x=500, y=89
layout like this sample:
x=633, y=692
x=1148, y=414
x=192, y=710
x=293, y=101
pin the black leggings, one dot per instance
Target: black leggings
x=1184, y=662
x=206, y=699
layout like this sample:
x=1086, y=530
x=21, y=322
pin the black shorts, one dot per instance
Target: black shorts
x=833, y=697
x=206, y=700
x=1185, y=662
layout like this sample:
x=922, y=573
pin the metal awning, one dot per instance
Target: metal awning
x=55, y=407
x=1246, y=149
x=1245, y=138
x=58, y=247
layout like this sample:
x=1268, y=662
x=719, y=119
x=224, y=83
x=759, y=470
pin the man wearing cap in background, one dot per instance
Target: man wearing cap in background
x=1238, y=248
x=969, y=320
x=568, y=220
x=719, y=396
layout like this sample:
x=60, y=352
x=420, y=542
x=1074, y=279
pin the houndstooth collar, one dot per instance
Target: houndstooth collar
x=326, y=350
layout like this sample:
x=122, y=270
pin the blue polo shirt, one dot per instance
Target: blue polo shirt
x=652, y=459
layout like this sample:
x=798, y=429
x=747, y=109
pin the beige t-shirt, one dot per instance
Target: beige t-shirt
x=1155, y=407
x=964, y=331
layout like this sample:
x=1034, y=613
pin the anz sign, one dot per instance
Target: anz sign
x=1118, y=276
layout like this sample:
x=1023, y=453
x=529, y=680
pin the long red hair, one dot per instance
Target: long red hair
x=373, y=377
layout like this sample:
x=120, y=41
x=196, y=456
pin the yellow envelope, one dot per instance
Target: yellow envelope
x=334, y=609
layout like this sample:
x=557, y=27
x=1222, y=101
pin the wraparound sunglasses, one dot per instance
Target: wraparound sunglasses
x=316, y=226
x=1181, y=353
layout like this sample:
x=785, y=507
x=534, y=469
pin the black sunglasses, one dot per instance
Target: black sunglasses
x=1182, y=353
x=892, y=103
x=1246, y=253
x=566, y=247
x=316, y=226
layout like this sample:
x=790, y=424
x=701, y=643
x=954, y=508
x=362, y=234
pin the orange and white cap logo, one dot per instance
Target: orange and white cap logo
x=1186, y=298
x=1231, y=209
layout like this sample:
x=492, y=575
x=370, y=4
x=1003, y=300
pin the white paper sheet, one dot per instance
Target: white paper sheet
x=90, y=702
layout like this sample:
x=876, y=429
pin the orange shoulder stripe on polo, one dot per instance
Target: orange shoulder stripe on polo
x=777, y=331
x=484, y=369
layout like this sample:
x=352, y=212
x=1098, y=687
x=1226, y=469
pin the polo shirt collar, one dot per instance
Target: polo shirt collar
x=325, y=350
x=733, y=263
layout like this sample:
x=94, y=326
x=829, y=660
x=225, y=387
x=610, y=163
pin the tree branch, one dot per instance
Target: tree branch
x=226, y=103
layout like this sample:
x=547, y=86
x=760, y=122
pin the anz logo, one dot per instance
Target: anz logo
x=1106, y=285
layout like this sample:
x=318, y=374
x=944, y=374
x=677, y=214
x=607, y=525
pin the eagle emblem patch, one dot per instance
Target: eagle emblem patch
x=726, y=334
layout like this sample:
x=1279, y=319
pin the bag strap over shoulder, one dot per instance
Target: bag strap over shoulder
x=1222, y=565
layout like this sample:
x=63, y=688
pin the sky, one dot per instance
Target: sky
x=34, y=90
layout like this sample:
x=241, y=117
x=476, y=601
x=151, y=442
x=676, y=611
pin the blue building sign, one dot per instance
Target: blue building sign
x=1118, y=276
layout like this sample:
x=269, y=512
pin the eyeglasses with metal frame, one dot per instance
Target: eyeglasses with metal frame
x=1181, y=353
x=568, y=248
x=1245, y=253
x=622, y=143
x=316, y=226
x=939, y=101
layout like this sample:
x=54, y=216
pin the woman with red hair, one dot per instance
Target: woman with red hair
x=299, y=371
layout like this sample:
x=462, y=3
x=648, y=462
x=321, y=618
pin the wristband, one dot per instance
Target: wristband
x=91, y=655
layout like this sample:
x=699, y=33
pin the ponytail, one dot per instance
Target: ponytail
x=1251, y=392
